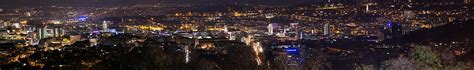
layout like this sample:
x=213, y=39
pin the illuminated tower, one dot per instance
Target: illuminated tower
x=326, y=29
x=367, y=8
x=301, y=35
x=105, y=26
x=270, y=29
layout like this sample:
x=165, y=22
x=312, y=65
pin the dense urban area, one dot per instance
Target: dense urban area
x=333, y=35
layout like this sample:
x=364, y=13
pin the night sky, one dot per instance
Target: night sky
x=102, y=3
x=97, y=3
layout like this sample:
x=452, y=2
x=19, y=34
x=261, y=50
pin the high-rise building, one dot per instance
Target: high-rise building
x=326, y=29
x=105, y=26
x=42, y=33
x=58, y=32
x=301, y=35
x=271, y=28
x=46, y=32
x=367, y=9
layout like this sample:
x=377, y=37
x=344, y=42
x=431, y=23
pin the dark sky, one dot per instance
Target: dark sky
x=85, y=3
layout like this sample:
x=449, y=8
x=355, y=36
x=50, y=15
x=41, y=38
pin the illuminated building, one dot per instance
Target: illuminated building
x=409, y=15
x=105, y=26
x=232, y=37
x=301, y=35
x=271, y=28
x=42, y=33
x=367, y=8
x=45, y=32
x=206, y=46
x=237, y=14
x=93, y=41
x=16, y=25
x=269, y=16
x=226, y=29
x=3, y=33
x=82, y=18
x=326, y=29
x=31, y=38
x=294, y=25
x=28, y=14
x=58, y=32
x=75, y=38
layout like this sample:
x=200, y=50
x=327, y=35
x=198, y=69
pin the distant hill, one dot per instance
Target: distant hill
x=450, y=32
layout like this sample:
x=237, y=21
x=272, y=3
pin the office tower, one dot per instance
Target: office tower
x=271, y=28
x=105, y=26
x=367, y=8
x=46, y=32
x=58, y=32
x=326, y=29
x=42, y=33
